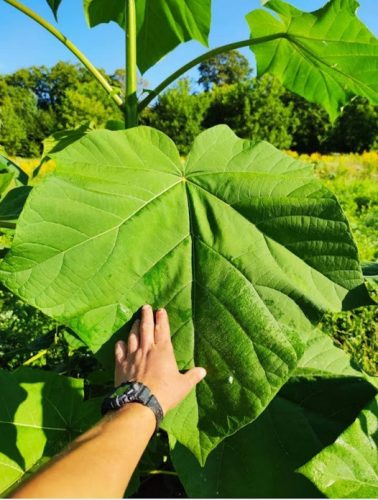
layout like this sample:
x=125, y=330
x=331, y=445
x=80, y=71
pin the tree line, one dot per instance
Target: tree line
x=37, y=101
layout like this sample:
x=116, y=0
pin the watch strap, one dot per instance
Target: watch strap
x=140, y=394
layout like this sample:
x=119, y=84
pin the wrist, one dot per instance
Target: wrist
x=133, y=392
x=144, y=416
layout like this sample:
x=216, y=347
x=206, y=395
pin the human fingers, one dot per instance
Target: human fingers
x=194, y=376
x=133, y=342
x=146, y=331
x=120, y=352
x=162, y=331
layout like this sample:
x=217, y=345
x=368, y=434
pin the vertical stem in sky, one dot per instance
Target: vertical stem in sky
x=131, y=66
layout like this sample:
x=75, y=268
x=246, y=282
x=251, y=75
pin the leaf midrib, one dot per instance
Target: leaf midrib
x=318, y=61
x=317, y=40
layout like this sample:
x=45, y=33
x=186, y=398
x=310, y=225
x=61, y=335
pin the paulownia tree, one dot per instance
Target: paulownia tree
x=242, y=245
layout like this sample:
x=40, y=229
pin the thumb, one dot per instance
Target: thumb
x=195, y=375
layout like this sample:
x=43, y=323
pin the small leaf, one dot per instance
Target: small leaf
x=327, y=56
x=348, y=468
x=6, y=179
x=54, y=6
x=10, y=167
x=161, y=24
x=115, y=125
x=370, y=271
x=241, y=243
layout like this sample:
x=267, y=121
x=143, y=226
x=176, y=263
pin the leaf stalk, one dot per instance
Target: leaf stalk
x=131, y=107
x=31, y=360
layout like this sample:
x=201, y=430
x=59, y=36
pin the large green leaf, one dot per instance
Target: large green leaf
x=327, y=56
x=349, y=467
x=261, y=459
x=40, y=412
x=161, y=24
x=241, y=244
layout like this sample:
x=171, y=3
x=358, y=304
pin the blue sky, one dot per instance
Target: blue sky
x=23, y=43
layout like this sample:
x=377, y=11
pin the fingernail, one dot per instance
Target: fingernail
x=202, y=373
x=161, y=309
x=146, y=306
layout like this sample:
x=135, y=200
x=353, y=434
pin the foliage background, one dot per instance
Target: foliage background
x=37, y=101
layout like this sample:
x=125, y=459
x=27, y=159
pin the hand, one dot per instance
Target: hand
x=148, y=357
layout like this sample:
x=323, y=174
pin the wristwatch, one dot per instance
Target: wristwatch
x=133, y=392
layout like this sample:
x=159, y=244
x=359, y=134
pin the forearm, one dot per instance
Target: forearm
x=99, y=463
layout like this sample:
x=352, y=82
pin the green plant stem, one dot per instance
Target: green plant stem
x=70, y=46
x=39, y=355
x=157, y=471
x=198, y=60
x=131, y=107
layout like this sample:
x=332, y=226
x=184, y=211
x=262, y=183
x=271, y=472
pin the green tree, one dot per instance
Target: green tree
x=310, y=126
x=179, y=113
x=254, y=110
x=36, y=101
x=22, y=124
x=12, y=131
x=224, y=69
x=85, y=102
x=356, y=129
x=49, y=84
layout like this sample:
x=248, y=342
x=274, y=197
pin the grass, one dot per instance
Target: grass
x=354, y=180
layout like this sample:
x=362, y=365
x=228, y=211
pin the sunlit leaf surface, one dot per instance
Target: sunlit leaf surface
x=241, y=244
x=327, y=56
